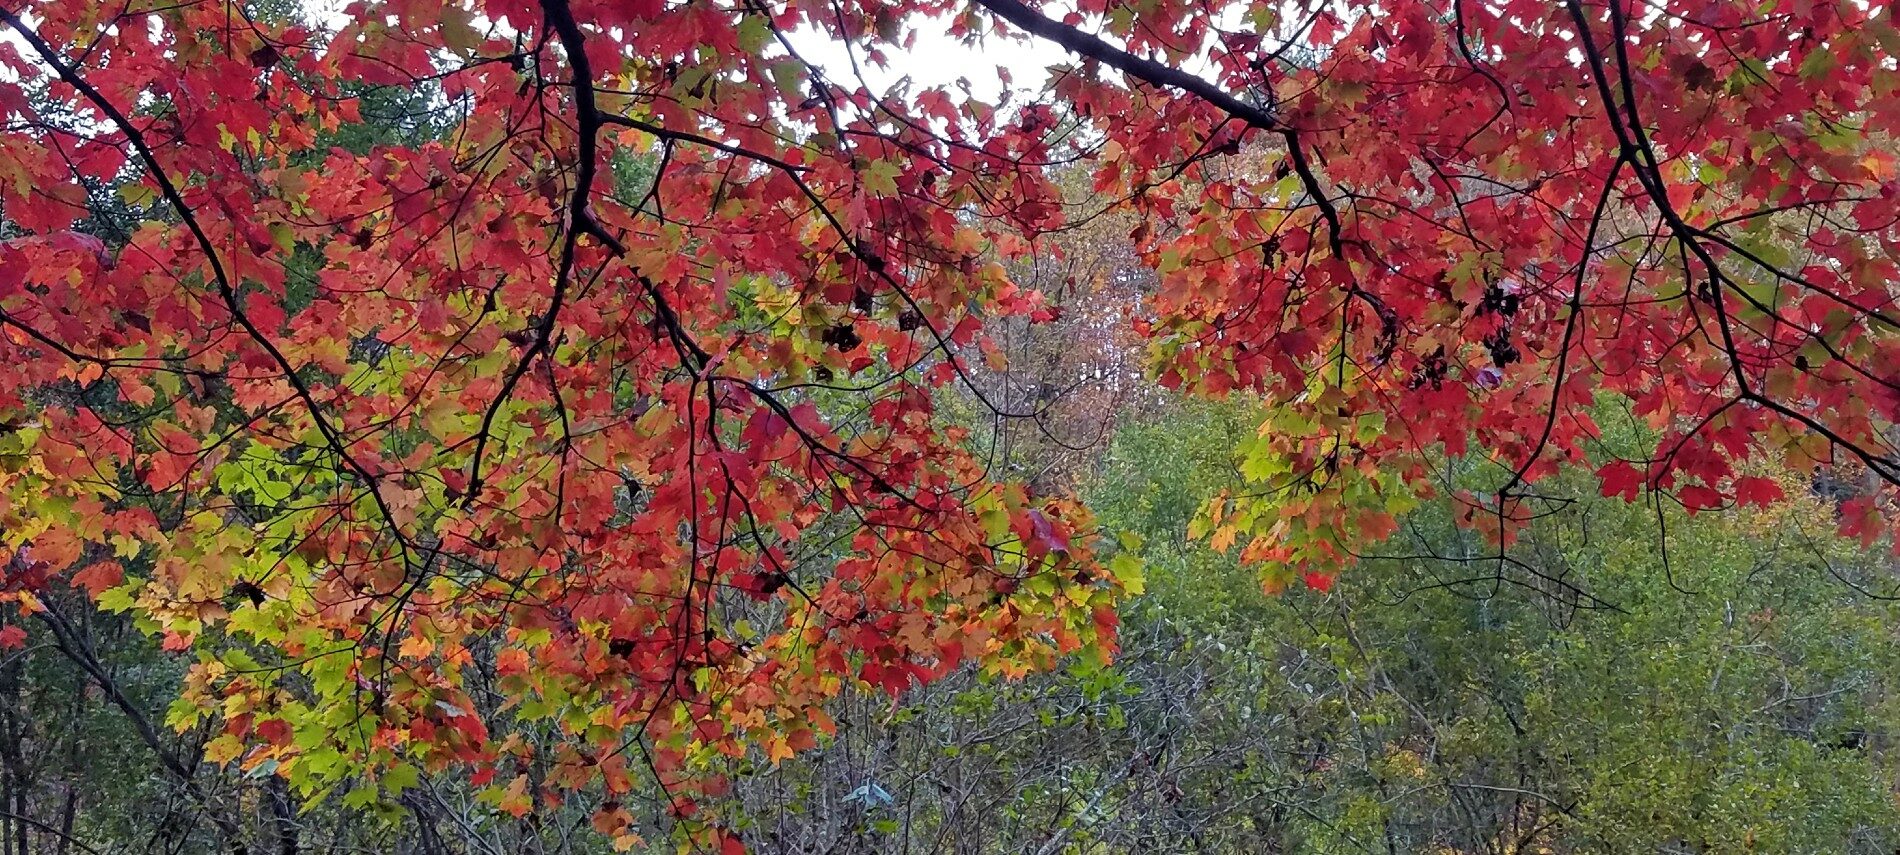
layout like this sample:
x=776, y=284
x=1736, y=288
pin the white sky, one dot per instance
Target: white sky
x=938, y=59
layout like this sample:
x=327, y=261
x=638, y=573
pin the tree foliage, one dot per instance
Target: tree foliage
x=577, y=393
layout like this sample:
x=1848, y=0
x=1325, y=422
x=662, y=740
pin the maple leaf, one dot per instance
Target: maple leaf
x=98, y=577
x=1697, y=497
x=1620, y=479
x=1758, y=491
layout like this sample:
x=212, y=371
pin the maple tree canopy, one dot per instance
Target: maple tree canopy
x=592, y=348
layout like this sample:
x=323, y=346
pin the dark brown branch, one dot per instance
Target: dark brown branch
x=1076, y=41
x=580, y=220
x=698, y=139
x=1570, y=330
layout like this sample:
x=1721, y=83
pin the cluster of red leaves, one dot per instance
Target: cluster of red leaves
x=610, y=406
x=1488, y=224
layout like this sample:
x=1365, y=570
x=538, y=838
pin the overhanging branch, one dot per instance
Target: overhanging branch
x=1076, y=41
